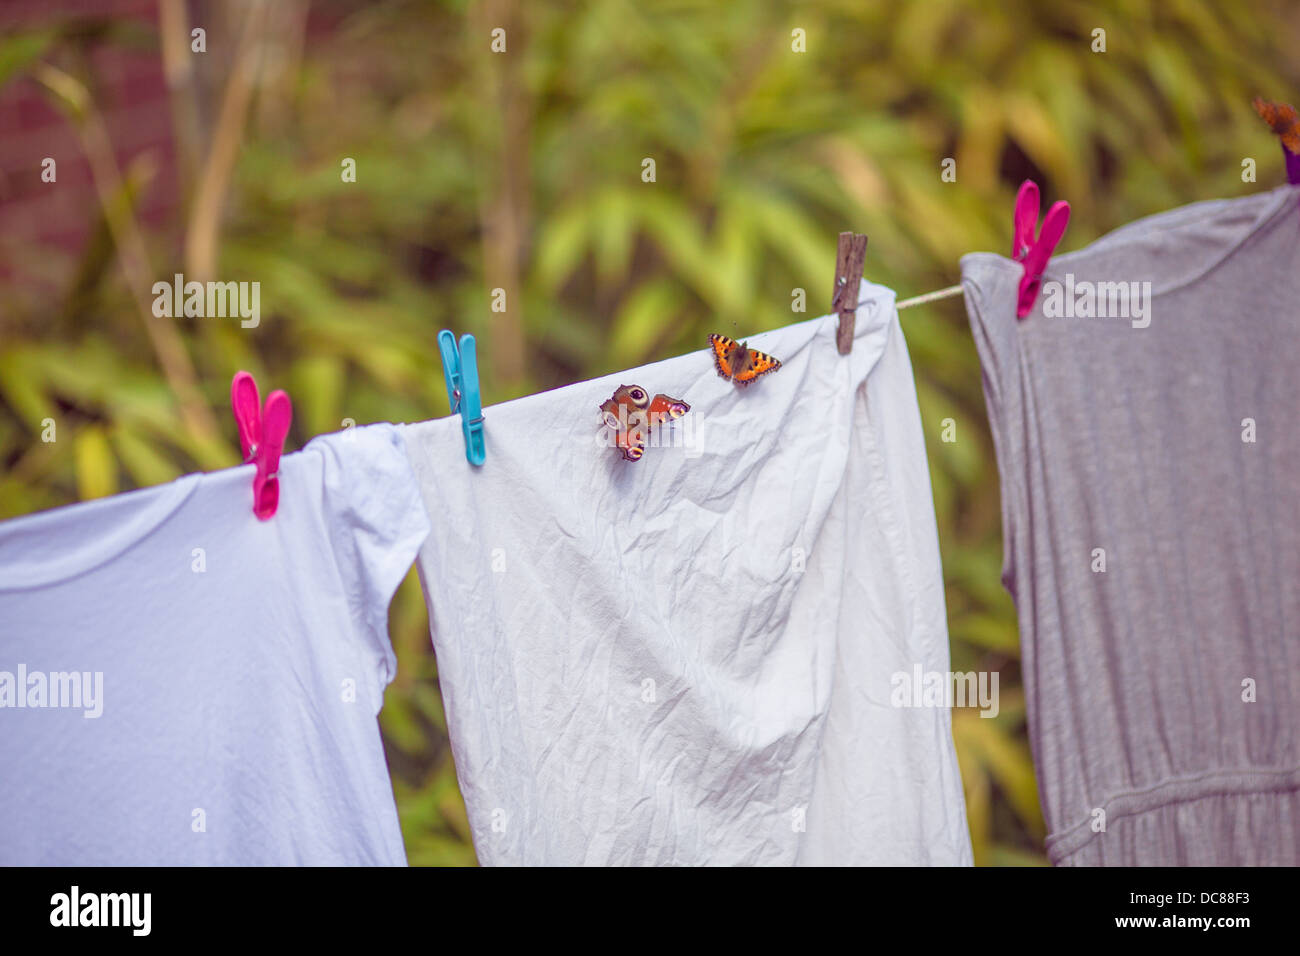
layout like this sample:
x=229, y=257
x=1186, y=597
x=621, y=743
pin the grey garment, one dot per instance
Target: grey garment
x=1128, y=440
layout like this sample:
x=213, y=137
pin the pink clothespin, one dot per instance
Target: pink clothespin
x=261, y=436
x=1035, y=253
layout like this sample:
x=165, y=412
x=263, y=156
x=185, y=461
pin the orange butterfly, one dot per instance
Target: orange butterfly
x=1281, y=117
x=631, y=413
x=739, y=363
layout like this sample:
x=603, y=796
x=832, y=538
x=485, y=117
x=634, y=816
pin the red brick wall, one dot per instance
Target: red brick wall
x=131, y=92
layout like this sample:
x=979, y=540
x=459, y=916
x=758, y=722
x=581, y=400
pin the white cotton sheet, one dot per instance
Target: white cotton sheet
x=689, y=659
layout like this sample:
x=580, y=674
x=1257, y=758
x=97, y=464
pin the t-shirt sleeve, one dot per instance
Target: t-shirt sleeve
x=377, y=523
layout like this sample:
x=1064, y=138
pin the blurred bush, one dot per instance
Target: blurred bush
x=522, y=170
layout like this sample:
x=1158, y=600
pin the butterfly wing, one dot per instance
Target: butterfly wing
x=726, y=351
x=627, y=412
x=631, y=443
x=1283, y=120
x=609, y=414
x=663, y=408
x=756, y=363
x=632, y=395
x=1270, y=113
x=617, y=410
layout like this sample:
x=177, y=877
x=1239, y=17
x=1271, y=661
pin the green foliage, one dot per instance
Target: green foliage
x=522, y=171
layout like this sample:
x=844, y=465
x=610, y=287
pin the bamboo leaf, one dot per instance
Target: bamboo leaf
x=96, y=467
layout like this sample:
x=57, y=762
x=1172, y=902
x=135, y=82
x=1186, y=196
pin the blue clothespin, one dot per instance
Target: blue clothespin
x=460, y=369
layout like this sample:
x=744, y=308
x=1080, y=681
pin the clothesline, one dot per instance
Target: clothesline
x=947, y=293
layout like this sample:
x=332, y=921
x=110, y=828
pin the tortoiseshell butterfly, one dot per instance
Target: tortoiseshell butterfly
x=1282, y=118
x=631, y=413
x=739, y=363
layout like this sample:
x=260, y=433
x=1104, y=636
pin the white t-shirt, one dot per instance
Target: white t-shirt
x=692, y=658
x=230, y=670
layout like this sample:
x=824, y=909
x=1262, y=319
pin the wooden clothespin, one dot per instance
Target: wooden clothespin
x=850, y=257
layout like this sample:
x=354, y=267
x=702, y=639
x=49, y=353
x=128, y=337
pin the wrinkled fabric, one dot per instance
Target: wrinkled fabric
x=1150, y=473
x=241, y=665
x=687, y=659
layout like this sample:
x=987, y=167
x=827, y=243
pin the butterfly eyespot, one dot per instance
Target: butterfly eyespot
x=611, y=420
x=638, y=395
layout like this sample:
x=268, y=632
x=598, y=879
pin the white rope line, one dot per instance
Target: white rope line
x=947, y=293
